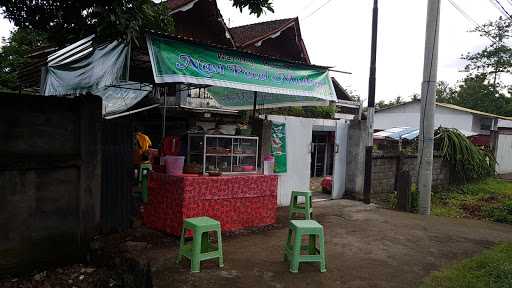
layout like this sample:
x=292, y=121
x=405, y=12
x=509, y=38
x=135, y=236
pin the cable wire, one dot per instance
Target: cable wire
x=310, y=3
x=470, y=19
x=500, y=8
x=503, y=8
x=316, y=10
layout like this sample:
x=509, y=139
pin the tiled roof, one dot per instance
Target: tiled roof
x=247, y=33
x=341, y=93
x=175, y=4
x=207, y=43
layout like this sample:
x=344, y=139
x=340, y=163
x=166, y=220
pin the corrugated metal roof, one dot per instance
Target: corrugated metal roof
x=455, y=107
x=397, y=133
x=409, y=133
x=451, y=106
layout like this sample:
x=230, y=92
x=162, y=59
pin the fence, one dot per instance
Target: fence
x=50, y=179
x=386, y=168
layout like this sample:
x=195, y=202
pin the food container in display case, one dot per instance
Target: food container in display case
x=223, y=153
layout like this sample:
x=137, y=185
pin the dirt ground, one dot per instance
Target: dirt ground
x=366, y=247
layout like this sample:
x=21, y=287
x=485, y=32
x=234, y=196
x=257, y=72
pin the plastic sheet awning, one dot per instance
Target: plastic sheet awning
x=101, y=70
x=408, y=133
x=397, y=133
x=234, y=73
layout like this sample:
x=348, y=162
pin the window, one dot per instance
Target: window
x=486, y=124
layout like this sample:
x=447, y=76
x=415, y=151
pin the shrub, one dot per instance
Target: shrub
x=501, y=213
x=467, y=161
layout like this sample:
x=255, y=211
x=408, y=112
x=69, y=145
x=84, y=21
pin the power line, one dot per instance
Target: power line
x=503, y=8
x=500, y=8
x=316, y=10
x=470, y=19
x=461, y=11
x=310, y=3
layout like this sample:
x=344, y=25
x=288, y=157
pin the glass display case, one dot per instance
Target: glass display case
x=223, y=153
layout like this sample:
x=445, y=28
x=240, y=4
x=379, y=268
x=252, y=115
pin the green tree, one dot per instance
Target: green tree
x=256, y=7
x=496, y=58
x=483, y=89
x=65, y=21
x=60, y=22
x=446, y=93
x=475, y=92
x=383, y=104
x=18, y=45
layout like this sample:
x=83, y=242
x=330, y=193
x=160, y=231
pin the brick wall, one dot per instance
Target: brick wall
x=384, y=170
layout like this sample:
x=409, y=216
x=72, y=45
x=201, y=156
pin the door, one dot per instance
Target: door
x=340, y=159
x=504, y=154
x=117, y=174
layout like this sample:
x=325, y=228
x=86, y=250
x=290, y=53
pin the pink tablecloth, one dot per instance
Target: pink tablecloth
x=236, y=201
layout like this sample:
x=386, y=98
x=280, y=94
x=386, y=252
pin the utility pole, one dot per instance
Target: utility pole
x=428, y=101
x=371, y=107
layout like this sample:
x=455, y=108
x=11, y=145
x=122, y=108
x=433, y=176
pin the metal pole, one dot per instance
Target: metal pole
x=371, y=107
x=428, y=100
x=164, y=116
x=254, y=105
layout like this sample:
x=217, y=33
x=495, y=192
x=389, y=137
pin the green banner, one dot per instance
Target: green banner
x=279, y=147
x=179, y=61
x=230, y=98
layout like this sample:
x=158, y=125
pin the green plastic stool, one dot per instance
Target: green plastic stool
x=143, y=180
x=200, y=249
x=293, y=250
x=306, y=208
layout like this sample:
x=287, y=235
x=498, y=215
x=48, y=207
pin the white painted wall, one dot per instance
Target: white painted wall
x=504, y=154
x=299, y=133
x=504, y=123
x=298, y=143
x=340, y=160
x=408, y=115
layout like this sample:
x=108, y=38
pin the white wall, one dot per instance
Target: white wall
x=504, y=123
x=408, y=115
x=340, y=160
x=451, y=118
x=298, y=143
x=504, y=154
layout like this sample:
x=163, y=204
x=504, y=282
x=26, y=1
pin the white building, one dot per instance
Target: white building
x=468, y=121
x=446, y=115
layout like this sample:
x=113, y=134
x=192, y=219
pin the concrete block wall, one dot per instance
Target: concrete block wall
x=50, y=181
x=384, y=170
x=357, y=137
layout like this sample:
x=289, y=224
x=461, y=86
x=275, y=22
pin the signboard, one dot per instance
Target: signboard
x=237, y=99
x=179, y=61
x=279, y=147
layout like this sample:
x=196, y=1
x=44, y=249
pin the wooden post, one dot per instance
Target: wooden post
x=404, y=191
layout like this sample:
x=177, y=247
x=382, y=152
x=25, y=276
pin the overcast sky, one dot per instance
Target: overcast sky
x=337, y=33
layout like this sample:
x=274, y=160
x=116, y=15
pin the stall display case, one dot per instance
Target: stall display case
x=223, y=153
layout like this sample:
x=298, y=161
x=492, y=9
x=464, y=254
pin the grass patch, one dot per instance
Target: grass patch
x=493, y=268
x=490, y=199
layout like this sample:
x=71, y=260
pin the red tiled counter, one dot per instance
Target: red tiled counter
x=236, y=201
